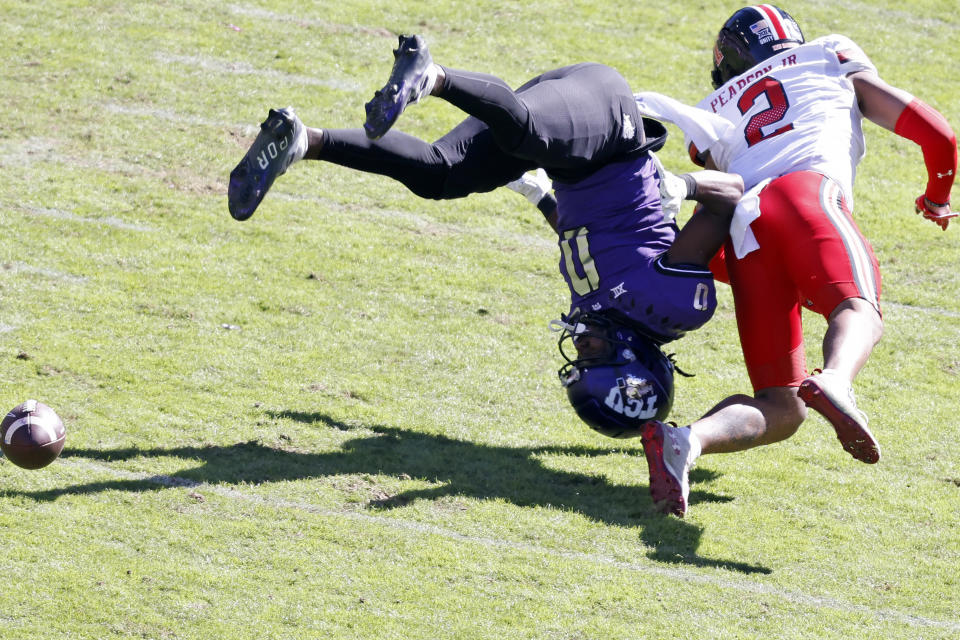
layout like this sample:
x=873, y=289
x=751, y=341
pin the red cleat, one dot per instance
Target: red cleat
x=670, y=455
x=832, y=397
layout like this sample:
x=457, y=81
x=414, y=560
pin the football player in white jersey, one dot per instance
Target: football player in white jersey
x=786, y=116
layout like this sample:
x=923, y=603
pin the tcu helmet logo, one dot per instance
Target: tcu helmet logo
x=632, y=398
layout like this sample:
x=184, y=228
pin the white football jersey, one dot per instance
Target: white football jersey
x=794, y=111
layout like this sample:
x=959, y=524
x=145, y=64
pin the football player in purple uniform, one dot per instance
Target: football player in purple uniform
x=636, y=280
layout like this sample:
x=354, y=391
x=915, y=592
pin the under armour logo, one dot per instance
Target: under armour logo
x=618, y=290
x=945, y=175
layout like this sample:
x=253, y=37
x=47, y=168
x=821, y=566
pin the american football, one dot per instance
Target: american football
x=32, y=435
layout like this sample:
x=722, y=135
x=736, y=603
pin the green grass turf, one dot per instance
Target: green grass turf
x=341, y=418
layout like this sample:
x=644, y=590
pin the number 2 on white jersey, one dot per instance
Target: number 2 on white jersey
x=777, y=102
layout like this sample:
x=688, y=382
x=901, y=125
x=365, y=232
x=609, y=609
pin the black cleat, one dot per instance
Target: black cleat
x=408, y=83
x=281, y=141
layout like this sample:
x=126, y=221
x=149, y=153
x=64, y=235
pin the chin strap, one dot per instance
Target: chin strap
x=672, y=357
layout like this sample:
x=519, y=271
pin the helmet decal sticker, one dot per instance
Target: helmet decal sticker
x=772, y=17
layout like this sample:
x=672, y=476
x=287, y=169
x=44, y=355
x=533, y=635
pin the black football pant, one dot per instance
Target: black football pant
x=570, y=121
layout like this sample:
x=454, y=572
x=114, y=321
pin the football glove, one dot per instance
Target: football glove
x=673, y=190
x=942, y=219
x=532, y=185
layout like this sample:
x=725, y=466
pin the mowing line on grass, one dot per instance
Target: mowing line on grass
x=671, y=573
x=426, y=224
x=109, y=221
x=934, y=310
x=263, y=14
x=174, y=116
x=216, y=65
x=22, y=267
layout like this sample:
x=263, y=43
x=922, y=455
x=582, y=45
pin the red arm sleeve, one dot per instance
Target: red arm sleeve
x=924, y=125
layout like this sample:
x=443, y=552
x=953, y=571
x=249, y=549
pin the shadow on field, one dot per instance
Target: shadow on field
x=514, y=474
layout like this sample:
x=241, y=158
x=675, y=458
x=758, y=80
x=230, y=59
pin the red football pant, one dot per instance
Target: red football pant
x=811, y=255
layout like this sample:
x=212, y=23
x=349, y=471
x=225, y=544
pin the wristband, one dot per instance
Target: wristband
x=547, y=205
x=691, y=183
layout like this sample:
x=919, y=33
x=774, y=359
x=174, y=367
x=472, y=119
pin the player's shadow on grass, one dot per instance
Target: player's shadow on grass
x=519, y=475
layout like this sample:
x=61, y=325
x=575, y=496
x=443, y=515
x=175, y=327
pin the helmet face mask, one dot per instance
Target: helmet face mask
x=616, y=378
x=750, y=36
x=590, y=340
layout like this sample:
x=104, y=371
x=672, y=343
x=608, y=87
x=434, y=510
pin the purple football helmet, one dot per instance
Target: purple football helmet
x=618, y=378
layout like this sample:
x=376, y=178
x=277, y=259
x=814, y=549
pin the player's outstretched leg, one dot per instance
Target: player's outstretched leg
x=282, y=141
x=670, y=452
x=410, y=80
x=832, y=397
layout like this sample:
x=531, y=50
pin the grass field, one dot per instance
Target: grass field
x=341, y=419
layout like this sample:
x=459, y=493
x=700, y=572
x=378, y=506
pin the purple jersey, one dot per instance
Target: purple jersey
x=612, y=234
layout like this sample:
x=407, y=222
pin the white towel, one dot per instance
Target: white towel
x=748, y=210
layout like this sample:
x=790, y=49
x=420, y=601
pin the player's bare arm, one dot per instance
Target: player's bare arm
x=717, y=190
x=706, y=231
